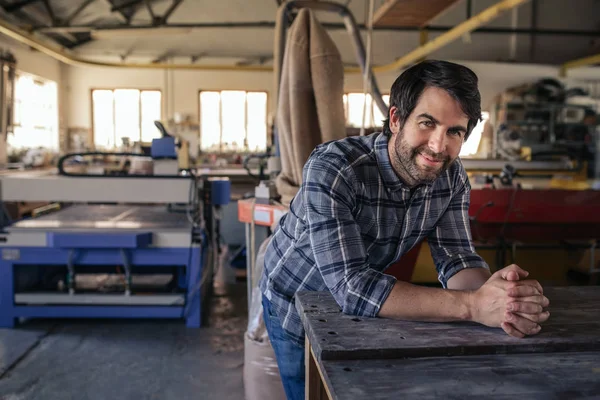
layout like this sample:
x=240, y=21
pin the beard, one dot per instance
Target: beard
x=404, y=162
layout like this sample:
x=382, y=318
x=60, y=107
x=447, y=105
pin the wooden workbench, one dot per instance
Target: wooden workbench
x=352, y=357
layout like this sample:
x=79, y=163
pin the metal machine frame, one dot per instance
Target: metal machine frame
x=50, y=240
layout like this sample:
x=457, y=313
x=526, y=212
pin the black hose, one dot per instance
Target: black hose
x=61, y=169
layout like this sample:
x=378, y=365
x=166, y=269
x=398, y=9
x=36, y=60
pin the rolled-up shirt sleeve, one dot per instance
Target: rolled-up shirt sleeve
x=336, y=241
x=450, y=242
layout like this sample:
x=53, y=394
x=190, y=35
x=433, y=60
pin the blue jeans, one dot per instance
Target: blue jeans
x=290, y=356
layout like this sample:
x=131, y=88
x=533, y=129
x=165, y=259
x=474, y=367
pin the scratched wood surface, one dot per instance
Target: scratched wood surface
x=535, y=376
x=574, y=325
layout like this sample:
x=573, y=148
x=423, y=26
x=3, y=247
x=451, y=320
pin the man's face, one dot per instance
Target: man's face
x=430, y=139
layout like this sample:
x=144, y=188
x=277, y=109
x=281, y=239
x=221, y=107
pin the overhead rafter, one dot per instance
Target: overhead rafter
x=80, y=42
x=332, y=26
x=50, y=12
x=125, y=5
x=260, y=60
x=580, y=62
x=197, y=57
x=163, y=57
x=36, y=16
x=126, y=17
x=18, y=5
x=77, y=11
x=150, y=11
x=170, y=11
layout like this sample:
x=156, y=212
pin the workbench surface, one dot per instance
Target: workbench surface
x=542, y=376
x=376, y=358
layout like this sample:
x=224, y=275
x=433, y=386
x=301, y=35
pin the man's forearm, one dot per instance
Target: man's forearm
x=411, y=302
x=469, y=279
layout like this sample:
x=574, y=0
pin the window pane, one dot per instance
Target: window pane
x=36, y=114
x=471, y=146
x=233, y=119
x=103, y=114
x=355, y=110
x=210, y=125
x=48, y=124
x=378, y=117
x=257, y=121
x=23, y=134
x=127, y=115
x=151, y=111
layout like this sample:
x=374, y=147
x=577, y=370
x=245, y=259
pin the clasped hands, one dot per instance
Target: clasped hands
x=510, y=301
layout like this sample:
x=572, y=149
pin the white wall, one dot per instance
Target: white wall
x=32, y=61
x=180, y=87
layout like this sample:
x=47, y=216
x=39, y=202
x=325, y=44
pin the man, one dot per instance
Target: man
x=366, y=201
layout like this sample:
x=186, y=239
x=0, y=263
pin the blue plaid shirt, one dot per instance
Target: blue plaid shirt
x=353, y=218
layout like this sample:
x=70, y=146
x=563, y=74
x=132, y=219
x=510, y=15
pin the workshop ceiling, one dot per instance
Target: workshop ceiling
x=242, y=31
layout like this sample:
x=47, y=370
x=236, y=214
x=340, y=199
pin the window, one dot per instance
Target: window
x=471, y=146
x=233, y=120
x=35, y=114
x=125, y=113
x=354, y=105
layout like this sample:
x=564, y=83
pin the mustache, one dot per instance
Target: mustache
x=424, y=150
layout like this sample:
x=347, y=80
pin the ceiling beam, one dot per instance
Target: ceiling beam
x=150, y=11
x=332, y=26
x=123, y=14
x=18, y=5
x=260, y=60
x=163, y=57
x=197, y=57
x=170, y=11
x=125, y=5
x=80, y=42
x=77, y=11
x=50, y=11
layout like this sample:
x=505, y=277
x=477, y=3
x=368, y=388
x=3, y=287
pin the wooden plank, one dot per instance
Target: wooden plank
x=414, y=13
x=531, y=376
x=574, y=325
x=314, y=382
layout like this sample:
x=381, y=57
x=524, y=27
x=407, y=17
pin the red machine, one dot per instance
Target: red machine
x=534, y=215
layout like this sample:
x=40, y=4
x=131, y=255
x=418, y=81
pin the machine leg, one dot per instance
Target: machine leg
x=7, y=317
x=192, y=317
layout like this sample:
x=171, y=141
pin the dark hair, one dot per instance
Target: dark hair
x=459, y=81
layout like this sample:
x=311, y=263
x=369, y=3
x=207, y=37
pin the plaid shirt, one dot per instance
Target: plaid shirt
x=353, y=218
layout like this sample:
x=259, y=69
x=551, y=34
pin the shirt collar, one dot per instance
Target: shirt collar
x=390, y=179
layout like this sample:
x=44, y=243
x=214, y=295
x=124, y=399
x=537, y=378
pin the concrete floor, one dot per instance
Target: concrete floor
x=135, y=359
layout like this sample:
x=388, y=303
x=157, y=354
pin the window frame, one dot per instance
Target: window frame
x=17, y=109
x=346, y=109
x=93, y=133
x=245, y=151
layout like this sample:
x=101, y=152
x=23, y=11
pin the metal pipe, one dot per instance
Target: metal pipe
x=467, y=26
x=367, y=68
x=513, y=38
x=580, y=62
x=70, y=59
x=533, y=26
x=330, y=26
